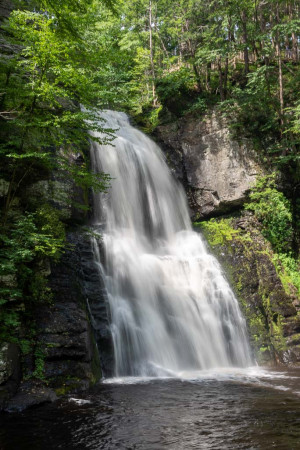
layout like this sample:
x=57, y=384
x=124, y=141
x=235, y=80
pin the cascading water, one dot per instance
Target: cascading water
x=171, y=308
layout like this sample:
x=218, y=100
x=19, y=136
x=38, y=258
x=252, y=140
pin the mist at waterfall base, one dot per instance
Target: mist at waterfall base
x=172, y=311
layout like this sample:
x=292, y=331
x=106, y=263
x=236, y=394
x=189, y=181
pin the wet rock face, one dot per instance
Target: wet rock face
x=272, y=313
x=68, y=331
x=10, y=372
x=216, y=170
x=98, y=305
x=73, y=337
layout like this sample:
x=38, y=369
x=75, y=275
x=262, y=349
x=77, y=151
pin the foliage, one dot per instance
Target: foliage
x=253, y=108
x=24, y=250
x=244, y=55
x=53, y=60
x=288, y=268
x=199, y=106
x=218, y=231
x=273, y=210
x=39, y=358
x=296, y=121
x=174, y=90
x=41, y=83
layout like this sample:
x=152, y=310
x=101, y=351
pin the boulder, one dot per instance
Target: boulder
x=29, y=395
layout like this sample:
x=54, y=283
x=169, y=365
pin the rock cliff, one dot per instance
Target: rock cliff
x=69, y=331
x=64, y=335
x=268, y=301
x=217, y=173
x=216, y=170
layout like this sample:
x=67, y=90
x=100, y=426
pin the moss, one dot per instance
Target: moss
x=68, y=385
x=259, y=335
x=224, y=239
x=295, y=339
x=247, y=260
x=95, y=364
x=61, y=391
x=52, y=345
x=239, y=285
x=263, y=349
x=278, y=339
x=287, y=269
x=217, y=232
x=275, y=329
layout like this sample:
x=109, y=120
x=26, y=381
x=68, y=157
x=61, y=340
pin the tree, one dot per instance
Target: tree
x=49, y=70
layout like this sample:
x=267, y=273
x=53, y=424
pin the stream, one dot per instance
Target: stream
x=227, y=409
x=184, y=370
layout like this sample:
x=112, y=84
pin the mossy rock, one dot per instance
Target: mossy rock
x=269, y=308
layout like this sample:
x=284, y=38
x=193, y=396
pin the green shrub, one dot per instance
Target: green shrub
x=273, y=210
x=25, y=247
x=217, y=232
x=288, y=269
x=175, y=90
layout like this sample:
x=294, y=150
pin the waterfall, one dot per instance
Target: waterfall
x=171, y=308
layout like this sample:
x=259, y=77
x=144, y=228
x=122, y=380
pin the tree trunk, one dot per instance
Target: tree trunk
x=198, y=77
x=151, y=53
x=280, y=84
x=226, y=76
x=207, y=76
x=245, y=41
x=220, y=80
x=295, y=47
x=280, y=79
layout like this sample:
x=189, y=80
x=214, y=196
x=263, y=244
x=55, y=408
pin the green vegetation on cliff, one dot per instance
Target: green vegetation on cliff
x=50, y=63
x=274, y=213
x=262, y=265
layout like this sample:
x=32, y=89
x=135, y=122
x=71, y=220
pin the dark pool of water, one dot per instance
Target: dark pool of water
x=210, y=413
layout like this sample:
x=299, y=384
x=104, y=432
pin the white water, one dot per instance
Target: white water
x=171, y=308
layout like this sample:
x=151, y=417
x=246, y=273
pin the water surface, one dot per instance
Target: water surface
x=227, y=410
